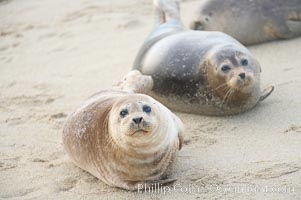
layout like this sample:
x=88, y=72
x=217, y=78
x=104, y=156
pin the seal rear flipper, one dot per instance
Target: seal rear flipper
x=166, y=9
x=293, y=23
x=294, y=26
x=167, y=22
x=167, y=17
x=160, y=16
x=266, y=92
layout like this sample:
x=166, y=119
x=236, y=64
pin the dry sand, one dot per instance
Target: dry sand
x=56, y=53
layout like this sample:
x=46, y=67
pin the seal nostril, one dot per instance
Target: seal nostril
x=242, y=75
x=197, y=25
x=137, y=120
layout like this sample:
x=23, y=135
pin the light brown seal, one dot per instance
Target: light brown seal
x=201, y=72
x=250, y=21
x=124, y=139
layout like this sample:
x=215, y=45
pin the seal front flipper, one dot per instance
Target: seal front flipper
x=266, y=92
x=135, y=82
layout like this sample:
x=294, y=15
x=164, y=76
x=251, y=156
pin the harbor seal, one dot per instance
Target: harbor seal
x=125, y=139
x=250, y=21
x=200, y=72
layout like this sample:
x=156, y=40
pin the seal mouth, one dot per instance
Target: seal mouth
x=139, y=132
x=242, y=87
x=240, y=84
x=243, y=84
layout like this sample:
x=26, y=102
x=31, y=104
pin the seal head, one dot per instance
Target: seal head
x=233, y=75
x=134, y=123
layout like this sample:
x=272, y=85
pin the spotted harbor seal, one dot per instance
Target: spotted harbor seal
x=250, y=21
x=199, y=72
x=124, y=138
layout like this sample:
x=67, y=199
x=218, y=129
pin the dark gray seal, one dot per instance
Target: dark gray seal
x=250, y=21
x=199, y=72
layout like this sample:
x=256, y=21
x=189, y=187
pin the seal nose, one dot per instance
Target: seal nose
x=196, y=25
x=242, y=75
x=137, y=120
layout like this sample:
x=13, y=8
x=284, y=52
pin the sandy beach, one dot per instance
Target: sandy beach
x=54, y=54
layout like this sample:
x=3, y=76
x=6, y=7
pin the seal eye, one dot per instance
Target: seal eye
x=124, y=112
x=244, y=62
x=226, y=68
x=146, y=109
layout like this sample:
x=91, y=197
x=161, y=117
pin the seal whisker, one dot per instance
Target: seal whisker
x=226, y=95
x=221, y=86
x=231, y=95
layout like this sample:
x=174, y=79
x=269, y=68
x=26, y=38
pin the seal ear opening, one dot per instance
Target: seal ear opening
x=258, y=64
x=266, y=92
x=204, y=66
